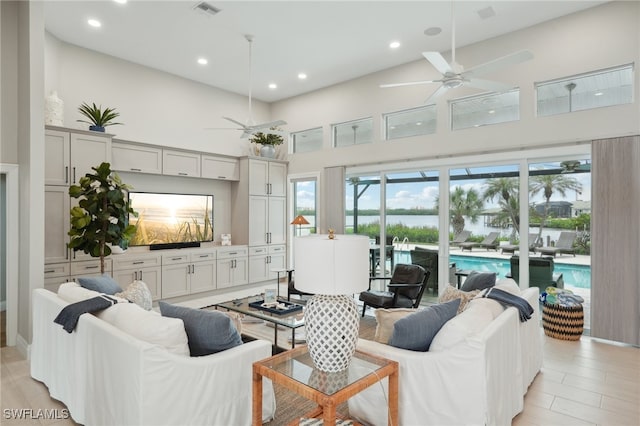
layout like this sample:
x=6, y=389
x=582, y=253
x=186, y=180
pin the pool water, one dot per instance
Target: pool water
x=574, y=275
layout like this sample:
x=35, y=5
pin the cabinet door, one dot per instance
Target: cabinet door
x=56, y=224
x=258, y=220
x=277, y=222
x=277, y=260
x=203, y=276
x=258, y=177
x=175, y=280
x=152, y=277
x=179, y=163
x=223, y=273
x=57, y=157
x=220, y=168
x=240, y=271
x=277, y=179
x=258, y=268
x=88, y=151
x=136, y=158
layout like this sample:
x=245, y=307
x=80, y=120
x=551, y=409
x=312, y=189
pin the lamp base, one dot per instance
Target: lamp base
x=331, y=325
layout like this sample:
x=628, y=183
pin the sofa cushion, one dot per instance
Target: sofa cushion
x=72, y=292
x=479, y=281
x=102, y=284
x=509, y=285
x=208, y=331
x=450, y=293
x=138, y=293
x=385, y=319
x=491, y=305
x=468, y=323
x=148, y=326
x=416, y=331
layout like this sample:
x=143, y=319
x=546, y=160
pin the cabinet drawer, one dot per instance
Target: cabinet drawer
x=173, y=259
x=277, y=249
x=257, y=251
x=126, y=262
x=90, y=267
x=57, y=270
x=199, y=257
x=237, y=252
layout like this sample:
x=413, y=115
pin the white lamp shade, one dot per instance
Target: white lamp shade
x=332, y=267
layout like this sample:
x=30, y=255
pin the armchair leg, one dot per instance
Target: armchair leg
x=364, y=308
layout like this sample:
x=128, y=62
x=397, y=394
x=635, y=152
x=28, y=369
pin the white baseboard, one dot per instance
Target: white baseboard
x=23, y=347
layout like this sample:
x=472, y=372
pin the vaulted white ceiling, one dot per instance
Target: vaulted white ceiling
x=330, y=41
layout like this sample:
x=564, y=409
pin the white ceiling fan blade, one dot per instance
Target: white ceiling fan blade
x=235, y=121
x=438, y=62
x=431, y=99
x=269, y=124
x=499, y=63
x=492, y=86
x=222, y=128
x=409, y=83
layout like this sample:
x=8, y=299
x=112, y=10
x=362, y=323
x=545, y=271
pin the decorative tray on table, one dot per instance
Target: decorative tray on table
x=278, y=308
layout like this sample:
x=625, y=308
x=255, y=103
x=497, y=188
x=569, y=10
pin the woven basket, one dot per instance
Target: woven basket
x=561, y=322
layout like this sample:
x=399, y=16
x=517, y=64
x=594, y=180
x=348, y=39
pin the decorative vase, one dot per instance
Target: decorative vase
x=97, y=128
x=54, y=110
x=267, y=151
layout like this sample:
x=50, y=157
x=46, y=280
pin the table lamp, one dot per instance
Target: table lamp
x=333, y=270
x=299, y=220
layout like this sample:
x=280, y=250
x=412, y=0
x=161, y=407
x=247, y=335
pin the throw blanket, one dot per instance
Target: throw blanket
x=507, y=299
x=68, y=317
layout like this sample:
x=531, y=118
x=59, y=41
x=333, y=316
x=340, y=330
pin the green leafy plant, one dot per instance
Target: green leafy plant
x=102, y=214
x=97, y=116
x=267, y=138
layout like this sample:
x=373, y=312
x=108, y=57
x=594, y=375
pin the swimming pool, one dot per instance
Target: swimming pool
x=574, y=275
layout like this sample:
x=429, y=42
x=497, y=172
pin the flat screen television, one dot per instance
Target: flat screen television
x=171, y=218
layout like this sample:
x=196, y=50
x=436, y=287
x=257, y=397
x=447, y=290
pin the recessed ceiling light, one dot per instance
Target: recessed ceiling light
x=394, y=44
x=120, y=1
x=492, y=111
x=203, y=61
x=432, y=31
x=302, y=76
x=598, y=94
x=419, y=123
x=273, y=86
x=94, y=23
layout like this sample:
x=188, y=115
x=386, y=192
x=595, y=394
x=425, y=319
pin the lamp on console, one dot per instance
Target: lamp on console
x=333, y=270
x=299, y=220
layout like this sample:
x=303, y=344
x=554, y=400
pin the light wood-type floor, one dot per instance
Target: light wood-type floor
x=589, y=382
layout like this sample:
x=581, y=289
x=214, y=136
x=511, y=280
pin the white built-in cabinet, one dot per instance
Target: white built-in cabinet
x=180, y=163
x=146, y=267
x=129, y=157
x=232, y=267
x=69, y=155
x=188, y=273
x=264, y=260
x=220, y=168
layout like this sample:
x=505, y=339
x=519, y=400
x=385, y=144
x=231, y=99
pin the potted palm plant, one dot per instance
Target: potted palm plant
x=268, y=142
x=98, y=118
x=101, y=219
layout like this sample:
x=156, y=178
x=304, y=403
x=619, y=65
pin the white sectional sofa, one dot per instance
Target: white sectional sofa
x=106, y=376
x=480, y=379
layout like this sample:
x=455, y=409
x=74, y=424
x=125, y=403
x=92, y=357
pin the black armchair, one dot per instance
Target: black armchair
x=406, y=287
x=291, y=287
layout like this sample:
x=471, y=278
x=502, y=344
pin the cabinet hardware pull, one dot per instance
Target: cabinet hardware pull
x=222, y=177
x=183, y=174
x=74, y=175
x=176, y=258
x=233, y=252
x=136, y=170
x=91, y=267
x=49, y=271
x=66, y=174
x=135, y=275
x=138, y=262
x=204, y=255
x=140, y=275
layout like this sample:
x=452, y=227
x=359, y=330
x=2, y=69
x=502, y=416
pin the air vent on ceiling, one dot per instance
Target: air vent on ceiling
x=206, y=8
x=487, y=13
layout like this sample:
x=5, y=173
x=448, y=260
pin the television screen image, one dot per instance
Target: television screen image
x=171, y=218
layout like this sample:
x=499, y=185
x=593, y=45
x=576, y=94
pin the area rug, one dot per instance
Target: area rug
x=290, y=406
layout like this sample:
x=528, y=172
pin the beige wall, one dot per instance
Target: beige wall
x=8, y=79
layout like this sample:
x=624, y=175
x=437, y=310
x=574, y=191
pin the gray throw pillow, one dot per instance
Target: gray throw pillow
x=416, y=331
x=208, y=332
x=479, y=281
x=102, y=284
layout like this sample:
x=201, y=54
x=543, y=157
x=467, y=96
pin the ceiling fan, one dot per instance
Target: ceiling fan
x=454, y=76
x=250, y=128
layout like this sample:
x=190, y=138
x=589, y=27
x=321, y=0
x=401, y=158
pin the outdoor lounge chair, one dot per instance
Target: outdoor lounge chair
x=563, y=245
x=490, y=242
x=512, y=248
x=540, y=272
x=460, y=238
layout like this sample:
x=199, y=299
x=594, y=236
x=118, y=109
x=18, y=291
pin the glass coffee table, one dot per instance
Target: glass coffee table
x=295, y=371
x=291, y=319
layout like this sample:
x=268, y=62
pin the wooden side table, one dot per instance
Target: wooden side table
x=294, y=370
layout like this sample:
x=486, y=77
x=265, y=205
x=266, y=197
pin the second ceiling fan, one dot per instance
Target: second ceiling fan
x=454, y=76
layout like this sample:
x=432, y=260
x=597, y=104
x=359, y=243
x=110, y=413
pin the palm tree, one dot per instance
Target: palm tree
x=506, y=190
x=463, y=204
x=548, y=184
